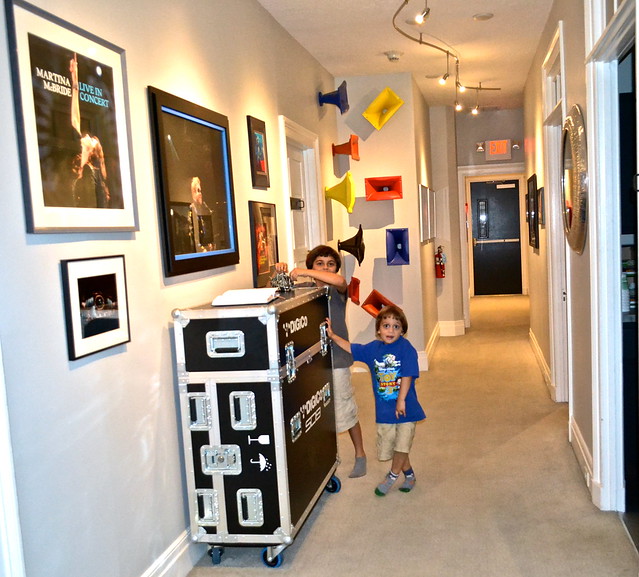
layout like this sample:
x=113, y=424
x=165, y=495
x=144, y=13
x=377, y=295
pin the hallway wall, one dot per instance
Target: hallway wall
x=96, y=443
x=571, y=12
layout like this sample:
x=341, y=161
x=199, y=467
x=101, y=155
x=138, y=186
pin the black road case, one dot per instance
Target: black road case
x=258, y=419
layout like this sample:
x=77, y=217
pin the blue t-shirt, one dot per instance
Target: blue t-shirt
x=387, y=363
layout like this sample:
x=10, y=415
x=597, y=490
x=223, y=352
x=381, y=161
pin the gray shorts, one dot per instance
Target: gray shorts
x=393, y=437
x=345, y=405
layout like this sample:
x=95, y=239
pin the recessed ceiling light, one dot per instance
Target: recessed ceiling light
x=482, y=16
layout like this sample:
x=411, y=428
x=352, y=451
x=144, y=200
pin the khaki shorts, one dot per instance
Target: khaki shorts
x=345, y=405
x=393, y=438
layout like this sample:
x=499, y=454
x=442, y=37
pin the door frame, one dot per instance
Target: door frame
x=465, y=176
x=602, y=119
x=308, y=142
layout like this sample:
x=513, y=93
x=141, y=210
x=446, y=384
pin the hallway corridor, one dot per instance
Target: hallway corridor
x=499, y=492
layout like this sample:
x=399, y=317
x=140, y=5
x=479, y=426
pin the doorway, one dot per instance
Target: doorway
x=496, y=237
x=304, y=209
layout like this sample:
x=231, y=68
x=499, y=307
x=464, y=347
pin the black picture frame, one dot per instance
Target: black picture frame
x=95, y=303
x=532, y=209
x=263, y=221
x=258, y=152
x=541, y=206
x=192, y=153
x=71, y=101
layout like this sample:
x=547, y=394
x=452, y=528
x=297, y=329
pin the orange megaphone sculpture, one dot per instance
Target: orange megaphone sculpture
x=351, y=147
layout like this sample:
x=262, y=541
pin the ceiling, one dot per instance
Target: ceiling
x=350, y=38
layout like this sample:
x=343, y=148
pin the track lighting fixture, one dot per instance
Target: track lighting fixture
x=440, y=45
x=444, y=78
x=421, y=18
x=458, y=106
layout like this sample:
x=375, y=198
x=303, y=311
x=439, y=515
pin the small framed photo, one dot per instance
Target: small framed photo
x=71, y=102
x=541, y=208
x=96, y=305
x=258, y=152
x=263, y=241
x=195, y=185
x=533, y=219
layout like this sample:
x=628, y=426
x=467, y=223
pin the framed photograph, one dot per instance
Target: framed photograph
x=541, y=212
x=263, y=241
x=424, y=214
x=71, y=103
x=432, y=214
x=259, y=156
x=194, y=184
x=95, y=303
x=533, y=222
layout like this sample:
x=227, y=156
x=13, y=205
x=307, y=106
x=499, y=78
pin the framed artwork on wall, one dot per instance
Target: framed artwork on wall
x=194, y=185
x=258, y=152
x=263, y=241
x=424, y=214
x=71, y=102
x=531, y=208
x=95, y=303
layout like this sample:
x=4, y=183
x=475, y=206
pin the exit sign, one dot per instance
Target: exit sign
x=498, y=150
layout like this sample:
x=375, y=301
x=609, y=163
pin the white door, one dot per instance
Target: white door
x=305, y=206
x=299, y=209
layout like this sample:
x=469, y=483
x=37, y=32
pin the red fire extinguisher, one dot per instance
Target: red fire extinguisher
x=440, y=263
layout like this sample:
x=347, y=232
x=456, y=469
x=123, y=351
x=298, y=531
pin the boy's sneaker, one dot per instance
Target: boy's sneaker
x=408, y=484
x=385, y=486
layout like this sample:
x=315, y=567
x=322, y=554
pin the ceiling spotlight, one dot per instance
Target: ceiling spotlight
x=475, y=110
x=479, y=146
x=458, y=106
x=421, y=18
x=443, y=79
x=393, y=55
x=461, y=87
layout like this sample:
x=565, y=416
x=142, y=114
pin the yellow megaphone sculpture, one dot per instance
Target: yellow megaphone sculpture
x=343, y=192
x=382, y=108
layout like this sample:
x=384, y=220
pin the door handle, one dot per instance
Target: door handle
x=494, y=241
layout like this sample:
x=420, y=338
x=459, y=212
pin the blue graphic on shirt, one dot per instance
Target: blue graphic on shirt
x=388, y=374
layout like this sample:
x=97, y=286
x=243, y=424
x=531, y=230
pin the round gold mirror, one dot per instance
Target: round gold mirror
x=574, y=180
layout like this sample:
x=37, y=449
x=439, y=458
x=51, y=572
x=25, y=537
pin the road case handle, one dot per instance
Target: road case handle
x=225, y=344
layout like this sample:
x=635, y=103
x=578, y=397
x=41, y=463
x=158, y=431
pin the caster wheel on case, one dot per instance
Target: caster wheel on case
x=334, y=485
x=275, y=562
x=216, y=555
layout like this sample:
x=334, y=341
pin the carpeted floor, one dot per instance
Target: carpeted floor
x=498, y=494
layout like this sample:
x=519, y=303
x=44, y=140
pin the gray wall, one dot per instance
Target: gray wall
x=96, y=443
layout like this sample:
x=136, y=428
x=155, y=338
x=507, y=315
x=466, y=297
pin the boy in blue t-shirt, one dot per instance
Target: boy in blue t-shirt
x=392, y=361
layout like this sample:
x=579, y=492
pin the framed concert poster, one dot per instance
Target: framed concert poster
x=263, y=241
x=259, y=156
x=71, y=103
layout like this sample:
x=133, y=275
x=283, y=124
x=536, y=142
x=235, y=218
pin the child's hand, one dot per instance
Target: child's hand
x=329, y=328
x=400, y=409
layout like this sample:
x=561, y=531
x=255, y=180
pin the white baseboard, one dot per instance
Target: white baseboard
x=452, y=328
x=543, y=365
x=425, y=356
x=178, y=559
x=584, y=458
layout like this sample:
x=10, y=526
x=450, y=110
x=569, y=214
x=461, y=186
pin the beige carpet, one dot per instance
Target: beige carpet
x=498, y=494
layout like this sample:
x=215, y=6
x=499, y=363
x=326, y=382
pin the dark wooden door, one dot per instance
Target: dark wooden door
x=496, y=239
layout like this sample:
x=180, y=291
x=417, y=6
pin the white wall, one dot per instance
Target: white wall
x=387, y=152
x=96, y=443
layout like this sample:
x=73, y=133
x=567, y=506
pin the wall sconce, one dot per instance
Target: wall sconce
x=516, y=145
x=480, y=147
